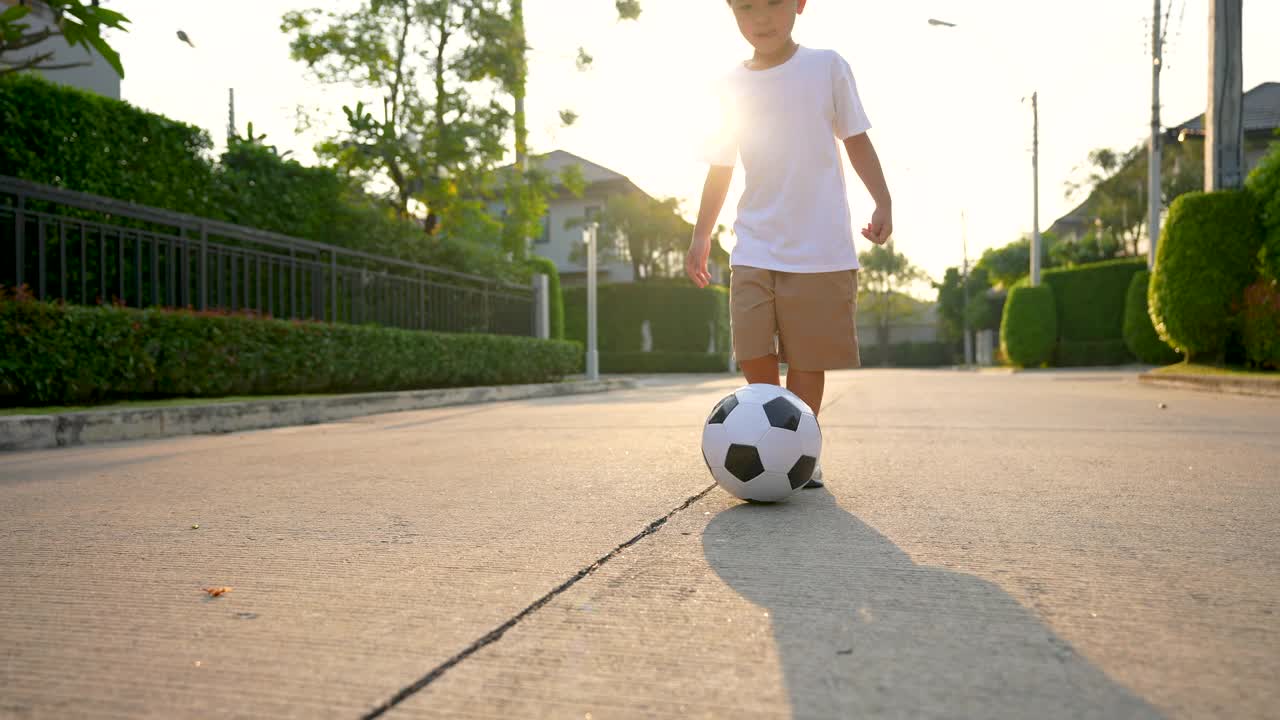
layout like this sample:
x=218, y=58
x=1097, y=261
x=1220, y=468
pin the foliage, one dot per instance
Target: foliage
x=882, y=270
x=664, y=362
x=1091, y=299
x=556, y=302
x=1029, y=328
x=78, y=22
x=983, y=309
x=1139, y=334
x=425, y=146
x=1264, y=185
x=62, y=354
x=1207, y=254
x=648, y=233
x=681, y=318
x=69, y=138
x=1006, y=265
x=1091, y=353
x=910, y=355
x=1260, y=323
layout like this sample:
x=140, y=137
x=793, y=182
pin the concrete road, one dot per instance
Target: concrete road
x=1047, y=545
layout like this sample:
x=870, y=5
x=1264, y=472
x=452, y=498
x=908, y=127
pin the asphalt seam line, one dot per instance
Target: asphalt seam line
x=494, y=635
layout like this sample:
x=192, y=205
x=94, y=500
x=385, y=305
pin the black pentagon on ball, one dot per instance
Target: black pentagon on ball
x=782, y=413
x=743, y=462
x=721, y=413
x=801, y=471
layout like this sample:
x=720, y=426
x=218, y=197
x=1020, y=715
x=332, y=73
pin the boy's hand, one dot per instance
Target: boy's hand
x=695, y=262
x=880, y=229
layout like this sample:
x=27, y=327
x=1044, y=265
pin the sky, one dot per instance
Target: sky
x=948, y=106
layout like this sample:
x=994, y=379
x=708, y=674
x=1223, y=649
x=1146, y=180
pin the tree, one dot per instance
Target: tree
x=883, y=271
x=436, y=149
x=982, y=311
x=645, y=232
x=78, y=22
x=525, y=204
x=1009, y=264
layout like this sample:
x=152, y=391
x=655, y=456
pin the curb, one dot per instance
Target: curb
x=1214, y=383
x=38, y=432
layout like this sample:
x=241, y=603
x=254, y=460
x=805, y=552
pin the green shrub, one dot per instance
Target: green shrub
x=556, y=302
x=664, y=362
x=1091, y=353
x=1260, y=323
x=1029, y=328
x=1208, y=253
x=1139, y=334
x=1091, y=298
x=682, y=318
x=78, y=140
x=910, y=355
x=1264, y=185
x=58, y=354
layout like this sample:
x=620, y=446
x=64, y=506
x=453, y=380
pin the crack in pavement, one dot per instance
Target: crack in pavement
x=494, y=635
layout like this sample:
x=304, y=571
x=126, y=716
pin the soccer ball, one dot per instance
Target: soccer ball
x=761, y=443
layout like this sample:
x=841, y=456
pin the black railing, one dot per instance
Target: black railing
x=87, y=249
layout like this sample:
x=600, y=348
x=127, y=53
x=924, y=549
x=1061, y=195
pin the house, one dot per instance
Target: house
x=559, y=240
x=1261, y=109
x=90, y=71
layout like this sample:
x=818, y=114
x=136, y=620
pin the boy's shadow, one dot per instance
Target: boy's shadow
x=862, y=631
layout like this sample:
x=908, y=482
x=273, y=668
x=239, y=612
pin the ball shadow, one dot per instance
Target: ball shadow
x=863, y=631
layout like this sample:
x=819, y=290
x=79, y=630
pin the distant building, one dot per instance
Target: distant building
x=558, y=242
x=95, y=76
x=1261, y=107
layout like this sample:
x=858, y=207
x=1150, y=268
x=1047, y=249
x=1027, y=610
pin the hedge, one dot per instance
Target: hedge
x=1091, y=298
x=681, y=317
x=1260, y=324
x=1208, y=253
x=70, y=138
x=63, y=354
x=1264, y=184
x=1029, y=328
x=910, y=355
x=548, y=267
x=1139, y=334
x=664, y=362
x=1091, y=353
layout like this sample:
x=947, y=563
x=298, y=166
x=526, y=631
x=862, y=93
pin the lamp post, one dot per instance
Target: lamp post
x=589, y=236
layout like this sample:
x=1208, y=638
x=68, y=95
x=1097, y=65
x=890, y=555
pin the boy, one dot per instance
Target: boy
x=794, y=285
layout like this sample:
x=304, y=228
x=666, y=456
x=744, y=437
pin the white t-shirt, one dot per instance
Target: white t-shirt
x=787, y=123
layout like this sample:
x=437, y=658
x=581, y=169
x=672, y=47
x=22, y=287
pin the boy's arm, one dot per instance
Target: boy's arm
x=862, y=154
x=714, y=191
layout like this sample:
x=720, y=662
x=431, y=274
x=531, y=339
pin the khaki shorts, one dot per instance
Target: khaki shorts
x=806, y=319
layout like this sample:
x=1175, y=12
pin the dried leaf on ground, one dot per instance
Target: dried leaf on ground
x=216, y=591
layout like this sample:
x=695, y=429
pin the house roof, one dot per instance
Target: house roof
x=1261, y=112
x=557, y=160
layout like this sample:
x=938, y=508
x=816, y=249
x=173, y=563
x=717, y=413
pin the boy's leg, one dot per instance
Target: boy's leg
x=762, y=370
x=808, y=384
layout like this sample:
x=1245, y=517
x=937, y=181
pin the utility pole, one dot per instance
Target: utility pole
x=1224, y=118
x=1153, y=192
x=231, y=114
x=1035, y=189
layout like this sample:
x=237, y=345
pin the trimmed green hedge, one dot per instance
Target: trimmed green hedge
x=78, y=140
x=664, y=362
x=681, y=317
x=910, y=355
x=63, y=354
x=1264, y=185
x=548, y=267
x=1029, y=328
x=1091, y=353
x=1260, y=323
x=1208, y=253
x=1139, y=334
x=1090, y=298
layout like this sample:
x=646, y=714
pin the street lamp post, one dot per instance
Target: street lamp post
x=589, y=236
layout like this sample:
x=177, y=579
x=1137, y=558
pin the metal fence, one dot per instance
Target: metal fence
x=87, y=249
